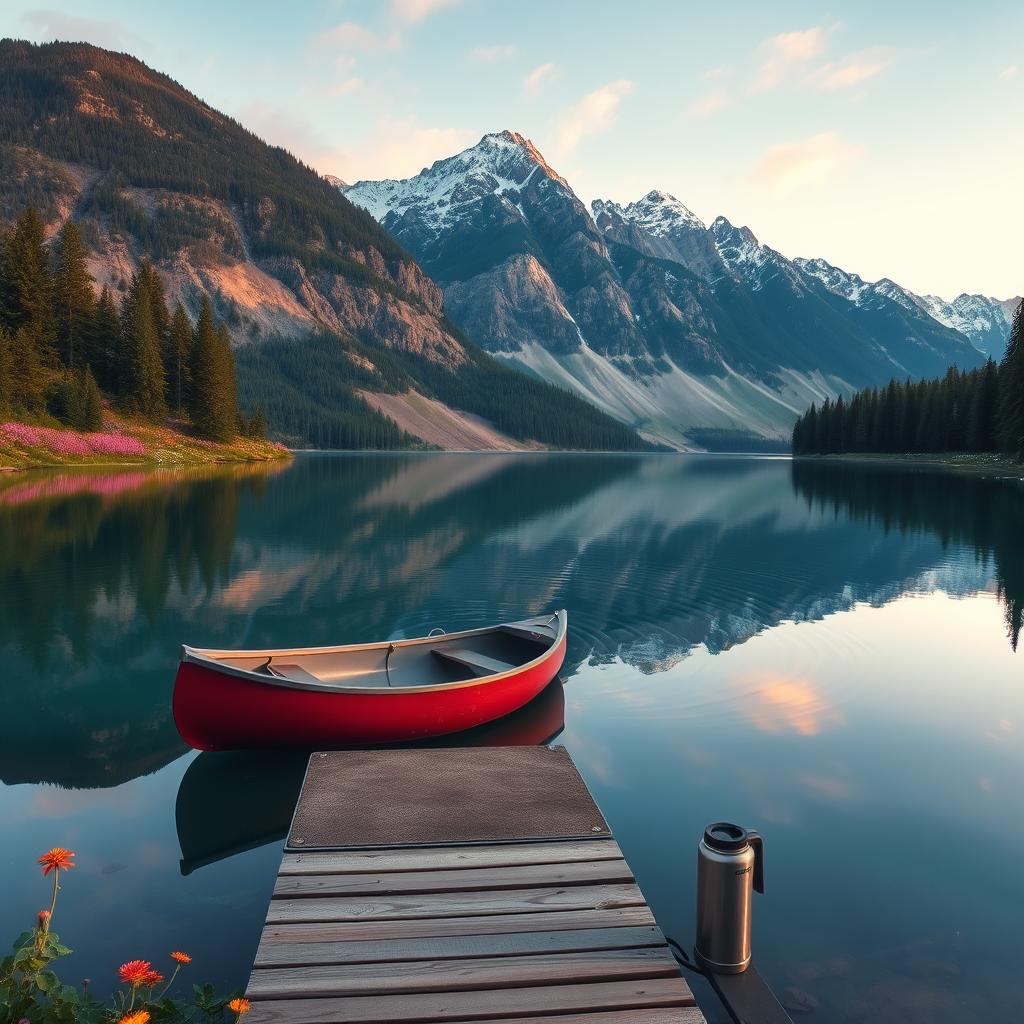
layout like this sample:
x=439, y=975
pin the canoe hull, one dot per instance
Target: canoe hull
x=219, y=711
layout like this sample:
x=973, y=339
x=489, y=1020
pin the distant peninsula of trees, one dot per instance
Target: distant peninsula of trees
x=62, y=348
x=979, y=411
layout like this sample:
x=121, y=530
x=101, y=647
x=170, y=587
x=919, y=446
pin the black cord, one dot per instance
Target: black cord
x=683, y=958
x=387, y=658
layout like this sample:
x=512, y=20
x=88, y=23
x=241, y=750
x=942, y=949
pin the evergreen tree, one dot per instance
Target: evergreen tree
x=88, y=404
x=103, y=343
x=6, y=379
x=1010, y=407
x=177, y=360
x=257, y=427
x=73, y=303
x=213, y=396
x=28, y=382
x=142, y=371
x=27, y=289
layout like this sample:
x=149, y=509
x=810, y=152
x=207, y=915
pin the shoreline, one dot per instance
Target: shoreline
x=973, y=464
x=125, y=444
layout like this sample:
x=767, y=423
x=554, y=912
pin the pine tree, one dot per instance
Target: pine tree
x=1010, y=407
x=142, y=370
x=214, y=405
x=258, y=424
x=6, y=380
x=89, y=402
x=73, y=302
x=103, y=343
x=177, y=359
x=25, y=296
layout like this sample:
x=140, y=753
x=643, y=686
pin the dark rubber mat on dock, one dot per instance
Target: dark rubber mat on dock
x=434, y=797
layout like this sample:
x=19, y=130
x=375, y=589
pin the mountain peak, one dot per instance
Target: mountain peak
x=658, y=213
x=725, y=231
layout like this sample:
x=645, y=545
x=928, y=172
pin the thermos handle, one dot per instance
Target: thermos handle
x=757, y=845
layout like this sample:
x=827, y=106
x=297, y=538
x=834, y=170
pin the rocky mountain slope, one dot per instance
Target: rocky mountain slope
x=146, y=167
x=678, y=329
x=985, y=320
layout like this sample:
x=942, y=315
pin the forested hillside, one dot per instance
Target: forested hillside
x=316, y=298
x=978, y=411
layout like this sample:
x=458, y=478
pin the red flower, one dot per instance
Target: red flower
x=57, y=859
x=181, y=958
x=151, y=979
x=135, y=971
x=44, y=918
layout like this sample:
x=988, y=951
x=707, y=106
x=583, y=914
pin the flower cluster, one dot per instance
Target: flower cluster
x=70, y=442
x=30, y=992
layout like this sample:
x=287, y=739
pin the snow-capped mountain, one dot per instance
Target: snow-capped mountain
x=669, y=325
x=986, y=321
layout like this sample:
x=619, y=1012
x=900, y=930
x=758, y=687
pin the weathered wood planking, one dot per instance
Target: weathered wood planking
x=498, y=933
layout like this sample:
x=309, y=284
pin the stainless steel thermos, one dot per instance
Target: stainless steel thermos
x=730, y=864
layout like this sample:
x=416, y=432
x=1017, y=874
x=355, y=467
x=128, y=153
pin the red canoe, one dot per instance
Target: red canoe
x=365, y=693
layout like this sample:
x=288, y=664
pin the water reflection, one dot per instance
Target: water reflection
x=711, y=671
x=106, y=574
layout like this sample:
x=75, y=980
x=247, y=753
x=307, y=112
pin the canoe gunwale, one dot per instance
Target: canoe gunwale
x=209, y=660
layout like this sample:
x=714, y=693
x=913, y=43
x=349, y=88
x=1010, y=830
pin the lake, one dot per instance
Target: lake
x=825, y=652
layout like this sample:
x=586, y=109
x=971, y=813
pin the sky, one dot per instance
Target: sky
x=884, y=137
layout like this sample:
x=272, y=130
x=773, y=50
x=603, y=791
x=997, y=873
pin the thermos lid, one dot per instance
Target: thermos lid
x=725, y=836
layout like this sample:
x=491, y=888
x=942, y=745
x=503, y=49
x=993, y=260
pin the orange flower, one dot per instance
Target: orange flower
x=181, y=958
x=138, y=1017
x=57, y=859
x=134, y=972
x=240, y=1006
x=151, y=979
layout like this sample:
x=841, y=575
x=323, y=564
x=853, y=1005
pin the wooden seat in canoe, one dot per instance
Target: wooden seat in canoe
x=474, y=660
x=293, y=672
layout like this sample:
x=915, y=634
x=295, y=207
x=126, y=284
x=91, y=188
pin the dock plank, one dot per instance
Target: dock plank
x=283, y=954
x=495, y=924
x=525, y=876
x=463, y=975
x=481, y=1004
x=437, y=858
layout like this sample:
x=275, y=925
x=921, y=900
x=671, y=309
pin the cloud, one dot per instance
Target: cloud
x=781, y=704
x=593, y=115
x=534, y=82
x=781, y=55
x=492, y=54
x=349, y=35
x=399, y=148
x=811, y=162
x=851, y=71
x=709, y=103
x=56, y=25
x=416, y=10
x=345, y=86
x=1009, y=73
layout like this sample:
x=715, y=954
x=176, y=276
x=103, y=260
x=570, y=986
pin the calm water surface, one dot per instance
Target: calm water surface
x=823, y=652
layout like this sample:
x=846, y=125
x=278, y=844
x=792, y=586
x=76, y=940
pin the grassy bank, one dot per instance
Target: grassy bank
x=978, y=463
x=123, y=442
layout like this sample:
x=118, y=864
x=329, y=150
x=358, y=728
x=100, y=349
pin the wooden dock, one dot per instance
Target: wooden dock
x=507, y=916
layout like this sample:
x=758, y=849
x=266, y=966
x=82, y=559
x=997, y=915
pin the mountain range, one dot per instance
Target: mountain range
x=686, y=332
x=333, y=320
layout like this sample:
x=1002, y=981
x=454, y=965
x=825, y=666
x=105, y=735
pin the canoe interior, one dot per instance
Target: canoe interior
x=433, y=662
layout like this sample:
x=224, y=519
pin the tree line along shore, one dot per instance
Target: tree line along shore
x=980, y=412
x=72, y=361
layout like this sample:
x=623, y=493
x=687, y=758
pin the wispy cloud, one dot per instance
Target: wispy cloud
x=399, y=148
x=349, y=36
x=492, y=54
x=592, y=115
x=709, y=103
x=534, y=82
x=345, y=86
x=852, y=70
x=1008, y=74
x=786, y=53
x=49, y=25
x=808, y=163
x=417, y=10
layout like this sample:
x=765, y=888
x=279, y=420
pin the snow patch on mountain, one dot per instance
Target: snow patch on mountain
x=658, y=213
x=985, y=320
x=501, y=164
